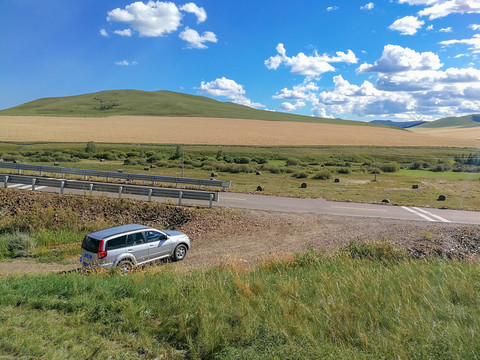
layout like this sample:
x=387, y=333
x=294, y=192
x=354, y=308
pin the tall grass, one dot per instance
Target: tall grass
x=310, y=307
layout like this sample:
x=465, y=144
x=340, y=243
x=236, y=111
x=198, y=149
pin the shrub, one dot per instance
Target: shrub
x=241, y=160
x=390, y=167
x=343, y=171
x=322, y=175
x=440, y=168
x=292, y=162
x=379, y=251
x=17, y=244
x=91, y=147
x=260, y=160
x=300, y=175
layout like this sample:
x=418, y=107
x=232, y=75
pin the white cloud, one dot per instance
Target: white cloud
x=126, y=32
x=407, y=25
x=474, y=27
x=286, y=106
x=474, y=42
x=103, y=32
x=228, y=88
x=332, y=8
x=368, y=6
x=313, y=65
x=195, y=40
x=442, y=8
x=194, y=9
x=429, y=28
x=304, y=91
x=446, y=30
x=125, y=63
x=397, y=59
x=155, y=18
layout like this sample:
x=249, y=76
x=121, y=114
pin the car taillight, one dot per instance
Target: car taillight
x=101, y=253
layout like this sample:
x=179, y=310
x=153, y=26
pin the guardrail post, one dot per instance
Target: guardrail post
x=33, y=184
x=180, y=196
x=85, y=177
x=63, y=176
x=150, y=194
x=91, y=187
x=41, y=173
x=62, y=187
x=211, y=201
x=120, y=190
x=5, y=183
x=107, y=178
x=19, y=171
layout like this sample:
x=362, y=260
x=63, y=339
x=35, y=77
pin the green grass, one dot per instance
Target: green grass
x=462, y=121
x=314, y=307
x=156, y=103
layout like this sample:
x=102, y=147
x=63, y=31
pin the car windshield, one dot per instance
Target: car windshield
x=90, y=244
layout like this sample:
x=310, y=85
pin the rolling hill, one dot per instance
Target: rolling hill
x=400, y=124
x=467, y=121
x=156, y=103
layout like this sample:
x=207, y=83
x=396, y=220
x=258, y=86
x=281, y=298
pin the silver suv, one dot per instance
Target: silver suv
x=126, y=246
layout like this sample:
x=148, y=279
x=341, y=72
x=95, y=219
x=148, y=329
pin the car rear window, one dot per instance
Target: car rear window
x=90, y=244
x=117, y=242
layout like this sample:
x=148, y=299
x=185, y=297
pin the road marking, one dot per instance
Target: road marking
x=14, y=186
x=433, y=215
x=40, y=187
x=418, y=213
x=351, y=208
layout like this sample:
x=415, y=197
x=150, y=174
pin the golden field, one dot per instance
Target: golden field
x=220, y=131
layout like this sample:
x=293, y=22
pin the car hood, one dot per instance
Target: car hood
x=173, y=233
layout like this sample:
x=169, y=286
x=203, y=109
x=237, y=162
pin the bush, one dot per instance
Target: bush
x=343, y=171
x=241, y=160
x=381, y=251
x=390, y=167
x=260, y=160
x=17, y=244
x=322, y=175
x=91, y=147
x=292, y=162
x=300, y=175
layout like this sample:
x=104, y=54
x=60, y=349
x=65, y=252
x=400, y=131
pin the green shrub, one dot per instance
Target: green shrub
x=260, y=160
x=344, y=171
x=292, y=162
x=16, y=244
x=91, y=147
x=378, y=251
x=300, y=175
x=322, y=175
x=390, y=167
x=241, y=160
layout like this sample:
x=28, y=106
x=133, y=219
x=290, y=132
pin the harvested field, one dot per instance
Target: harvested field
x=211, y=131
x=472, y=133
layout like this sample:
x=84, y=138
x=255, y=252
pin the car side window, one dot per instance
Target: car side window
x=154, y=236
x=117, y=242
x=135, y=239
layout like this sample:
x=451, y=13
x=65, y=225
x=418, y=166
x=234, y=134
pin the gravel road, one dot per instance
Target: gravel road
x=245, y=238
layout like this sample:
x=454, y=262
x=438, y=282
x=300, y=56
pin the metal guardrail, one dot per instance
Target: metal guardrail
x=114, y=175
x=63, y=184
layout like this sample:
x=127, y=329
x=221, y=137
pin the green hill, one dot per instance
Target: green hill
x=155, y=103
x=467, y=121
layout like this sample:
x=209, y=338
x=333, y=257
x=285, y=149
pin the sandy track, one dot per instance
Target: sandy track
x=215, y=131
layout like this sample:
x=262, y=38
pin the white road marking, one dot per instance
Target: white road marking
x=39, y=187
x=418, y=213
x=14, y=186
x=433, y=215
x=25, y=187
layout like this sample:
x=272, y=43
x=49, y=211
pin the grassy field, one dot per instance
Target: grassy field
x=361, y=303
x=281, y=170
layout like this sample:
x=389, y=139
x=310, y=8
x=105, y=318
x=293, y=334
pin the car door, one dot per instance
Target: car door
x=137, y=246
x=158, y=244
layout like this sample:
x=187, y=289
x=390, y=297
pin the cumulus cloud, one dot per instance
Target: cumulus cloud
x=194, y=9
x=125, y=63
x=286, y=106
x=195, y=40
x=446, y=30
x=397, y=59
x=155, y=18
x=125, y=32
x=223, y=87
x=474, y=43
x=312, y=65
x=103, y=32
x=442, y=8
x=407, y=25
x=332, y=8
x=368, y=6
x=474, y=27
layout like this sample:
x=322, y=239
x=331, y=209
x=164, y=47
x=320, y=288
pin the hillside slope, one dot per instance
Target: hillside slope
x=467, y=121
x=155, y=103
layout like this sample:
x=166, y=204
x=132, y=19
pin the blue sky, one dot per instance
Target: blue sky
x=359, y=60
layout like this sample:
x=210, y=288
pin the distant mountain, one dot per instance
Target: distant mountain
x=467, y=121
x=400, y=124
x=156, y=103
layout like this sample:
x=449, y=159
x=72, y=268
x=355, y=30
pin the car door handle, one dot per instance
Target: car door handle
x=153, y=245
x=129, y=249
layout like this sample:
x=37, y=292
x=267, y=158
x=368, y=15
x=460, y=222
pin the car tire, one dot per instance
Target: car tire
x=180, y=252
x=125, y=267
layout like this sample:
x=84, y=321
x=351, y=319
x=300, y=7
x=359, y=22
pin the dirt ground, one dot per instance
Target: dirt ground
x=216, y=131
x=245, y=238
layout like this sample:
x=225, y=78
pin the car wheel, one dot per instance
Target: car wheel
x=125, y=267
x=180, y=252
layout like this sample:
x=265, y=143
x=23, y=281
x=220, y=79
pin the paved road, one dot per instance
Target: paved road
x=319, y=206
